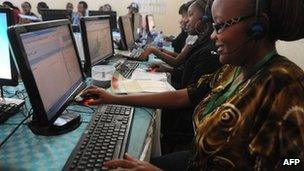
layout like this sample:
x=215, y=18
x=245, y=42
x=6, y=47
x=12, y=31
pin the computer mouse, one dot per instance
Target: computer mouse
x=88, y=96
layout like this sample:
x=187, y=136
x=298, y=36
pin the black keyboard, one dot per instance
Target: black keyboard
x=104, y=139
x=127, y=68
x=7, y=110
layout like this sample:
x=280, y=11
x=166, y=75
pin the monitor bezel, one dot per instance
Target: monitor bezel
x=147, y=21
x=112, y=14
x=44, y=11
x=123, y=34
x=88, y=63
x=40, y=115
x=14, y=73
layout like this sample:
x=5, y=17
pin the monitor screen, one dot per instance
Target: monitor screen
x=54, y=64
x=99, y=39
x=8, y=71
x=126, y=22
x=5, y=64
x=150, y=21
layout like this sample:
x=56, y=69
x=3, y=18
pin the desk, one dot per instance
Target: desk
x=26, y=151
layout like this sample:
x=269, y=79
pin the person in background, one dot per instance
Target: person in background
x=82, y=10
x=133, y=9
x=40, y=6
x=16, y=10
x=106, y=7
x=69, y=6
x=26, y=10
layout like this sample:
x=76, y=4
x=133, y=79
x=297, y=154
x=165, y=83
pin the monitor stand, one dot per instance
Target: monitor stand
x=65, y=123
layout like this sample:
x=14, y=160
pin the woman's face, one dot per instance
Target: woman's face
x=69, y=7
x=81, y=9
x=183, y=20
x=193, y=21
x=26, y=8
x=233, y=42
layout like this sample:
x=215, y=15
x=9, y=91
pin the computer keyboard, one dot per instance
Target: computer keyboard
x=104, y=139
x=7, y=110
x=127, y=68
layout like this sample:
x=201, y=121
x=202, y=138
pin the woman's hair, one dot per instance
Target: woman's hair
x=42, y=5
x=27, y=3
x=286, y=19
x=85, y=5
x=184, y=7
x=10, y=5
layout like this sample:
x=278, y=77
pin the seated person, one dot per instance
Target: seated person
x=26, y=10
x=41, y=5
x=81, y=12
x=106, y=7
x=16, y=10
x=253, y=118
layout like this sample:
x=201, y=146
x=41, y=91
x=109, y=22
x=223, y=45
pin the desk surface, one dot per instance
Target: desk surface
x=27, y=151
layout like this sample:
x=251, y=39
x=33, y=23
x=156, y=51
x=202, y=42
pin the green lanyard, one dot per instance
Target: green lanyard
x=231, y=89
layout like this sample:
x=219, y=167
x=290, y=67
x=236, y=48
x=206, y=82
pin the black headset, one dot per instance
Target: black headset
x=257, y=30
x=207, y=17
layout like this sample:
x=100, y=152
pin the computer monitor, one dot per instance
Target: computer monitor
x=54, y=14
x=97, y=40
x=113, y=17
x=49, y=65
x=126, y=32
x=150, y=23
x=136, y=25
x=8, y=71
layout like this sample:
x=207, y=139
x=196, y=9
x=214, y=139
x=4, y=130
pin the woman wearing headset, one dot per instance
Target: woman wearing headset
x=254, y=117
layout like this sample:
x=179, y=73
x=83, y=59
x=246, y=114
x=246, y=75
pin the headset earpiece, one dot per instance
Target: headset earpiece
x=257, y=30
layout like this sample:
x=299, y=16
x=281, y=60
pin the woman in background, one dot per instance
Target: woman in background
x=16, y=10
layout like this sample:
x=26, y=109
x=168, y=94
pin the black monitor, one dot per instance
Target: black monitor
x=112, y=14
x=97, y=40
x=126, y=32
x=136, y=25
x=150, y=23
x=54, y=14
x=50, y=68
x=8, y=71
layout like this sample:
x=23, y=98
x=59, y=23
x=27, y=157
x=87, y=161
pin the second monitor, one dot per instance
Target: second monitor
x=97, y=40
x=112, y=14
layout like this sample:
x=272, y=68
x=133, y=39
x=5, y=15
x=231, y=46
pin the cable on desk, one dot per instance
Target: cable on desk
x=11, y=134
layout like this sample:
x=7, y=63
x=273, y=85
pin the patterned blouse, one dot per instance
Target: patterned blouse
x=257, y=128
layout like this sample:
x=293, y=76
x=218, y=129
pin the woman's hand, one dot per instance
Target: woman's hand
x=160, y=67
x=101, y=96
x=149, y=50
x=129, y=163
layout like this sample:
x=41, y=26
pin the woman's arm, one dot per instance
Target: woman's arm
x=172, y=99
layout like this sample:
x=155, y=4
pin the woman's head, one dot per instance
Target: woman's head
x=69, y=6
x=41, y=5
x=82, y=7
x=195, y=23
x=233, y=20
x=183, y=11
x=26, y=7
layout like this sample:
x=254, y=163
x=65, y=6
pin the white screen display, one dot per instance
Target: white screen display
x=5, y=65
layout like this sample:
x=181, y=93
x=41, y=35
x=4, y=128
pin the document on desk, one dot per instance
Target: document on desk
x=141, y=74
x=141, y=86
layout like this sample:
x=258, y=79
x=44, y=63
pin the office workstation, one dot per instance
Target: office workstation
x=103, y=89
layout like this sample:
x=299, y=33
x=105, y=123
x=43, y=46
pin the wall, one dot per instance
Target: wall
x=167, y=22
x=293, y=50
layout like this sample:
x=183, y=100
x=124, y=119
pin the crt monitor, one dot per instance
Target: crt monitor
x=8, y=71
x=126, y=32
x=54, y=14
x=136, y=25
x=97, y=40
x=49, y=65
x=150, y=23
x=112, y=14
